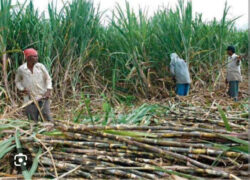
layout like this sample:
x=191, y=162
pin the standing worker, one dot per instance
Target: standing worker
x=233, y=73
x=179, y=69
x=34, y=82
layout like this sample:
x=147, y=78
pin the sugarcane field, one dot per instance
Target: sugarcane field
x=90, y=91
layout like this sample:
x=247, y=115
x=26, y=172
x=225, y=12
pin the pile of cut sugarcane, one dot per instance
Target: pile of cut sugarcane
x=191, y=143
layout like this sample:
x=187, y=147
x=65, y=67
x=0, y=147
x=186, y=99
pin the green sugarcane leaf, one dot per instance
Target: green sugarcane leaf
x=25, y=173
x=219, y=146
x=235, y=139
x=216, y=161
x=6, y=150
x=53, y=133
x=224, y=118
x=5, y=146
x=10, y=125
x=241, y=149
x=35, y=163
x=6, y=142
x=18, y=143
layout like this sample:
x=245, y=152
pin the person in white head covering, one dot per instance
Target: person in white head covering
x=233, y=72
x=179, y=69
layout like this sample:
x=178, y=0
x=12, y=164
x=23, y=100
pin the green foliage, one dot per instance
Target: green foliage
x=87, y=105
x=35, y=163
x=242, y=147
x=128, y=100
x=235, y=139
x=79, y=113
x=27, y=174
x=12, y=124
x=53, y=133
x=140, y=116
x=224, y=118
x=129, y=55
x=5, y=147
x=106, y=108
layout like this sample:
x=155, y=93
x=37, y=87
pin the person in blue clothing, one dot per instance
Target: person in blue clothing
x=179, y=69
x=233, y=72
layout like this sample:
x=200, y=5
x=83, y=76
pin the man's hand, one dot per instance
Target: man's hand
x=47, y=94
x=239, y=58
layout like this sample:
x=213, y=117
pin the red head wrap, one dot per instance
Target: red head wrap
x=29, y=52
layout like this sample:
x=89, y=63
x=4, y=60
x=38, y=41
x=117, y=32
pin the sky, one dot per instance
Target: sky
x=208, y=8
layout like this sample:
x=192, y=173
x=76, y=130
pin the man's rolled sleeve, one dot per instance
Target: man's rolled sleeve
x=47, y=77
x=48, y=81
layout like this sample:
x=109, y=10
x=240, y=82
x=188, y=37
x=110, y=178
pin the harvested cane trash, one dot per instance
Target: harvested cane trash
x=187, y=143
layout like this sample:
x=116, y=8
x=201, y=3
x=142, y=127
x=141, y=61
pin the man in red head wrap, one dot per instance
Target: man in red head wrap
x=34, y=81
x=30, y=52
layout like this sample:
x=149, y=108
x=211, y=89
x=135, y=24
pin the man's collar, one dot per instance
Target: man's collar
x=26, y=66
x=232, y=55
